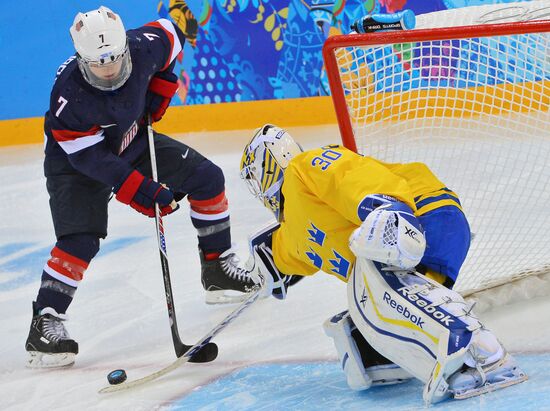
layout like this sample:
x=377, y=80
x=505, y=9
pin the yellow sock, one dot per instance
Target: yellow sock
x=434, y=275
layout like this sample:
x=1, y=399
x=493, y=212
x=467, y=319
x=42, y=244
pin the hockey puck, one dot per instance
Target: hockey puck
x=116, y=377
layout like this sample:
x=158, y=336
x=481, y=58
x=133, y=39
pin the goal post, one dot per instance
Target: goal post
x=472, y=102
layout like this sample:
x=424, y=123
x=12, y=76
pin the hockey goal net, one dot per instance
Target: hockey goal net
x=473, y=103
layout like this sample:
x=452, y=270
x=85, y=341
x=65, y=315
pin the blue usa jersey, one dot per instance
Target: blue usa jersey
x=102, y=132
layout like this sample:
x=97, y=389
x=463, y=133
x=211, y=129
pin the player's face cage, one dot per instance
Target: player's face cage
x=262, y=172
x=109, y=72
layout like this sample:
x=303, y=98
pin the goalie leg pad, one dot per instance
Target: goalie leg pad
x=483, y=365
x=339, y=328
x=407, y=332
x=418, y=324
x=363, y=366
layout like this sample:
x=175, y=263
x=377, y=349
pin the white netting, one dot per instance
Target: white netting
x=475, y=110
x=389, y=237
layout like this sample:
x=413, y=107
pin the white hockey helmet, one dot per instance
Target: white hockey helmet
x=101, y=47
x=264, y=160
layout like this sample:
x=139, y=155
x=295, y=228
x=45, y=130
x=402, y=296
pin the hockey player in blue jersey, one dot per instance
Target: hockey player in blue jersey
x=96, y=144
x=394, y=233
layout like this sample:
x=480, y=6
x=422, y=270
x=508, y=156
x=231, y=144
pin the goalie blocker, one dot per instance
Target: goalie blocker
x=429, y=331
x=262, y=264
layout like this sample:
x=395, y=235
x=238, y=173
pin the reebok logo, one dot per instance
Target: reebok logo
x=403, y=310
x=427, y=307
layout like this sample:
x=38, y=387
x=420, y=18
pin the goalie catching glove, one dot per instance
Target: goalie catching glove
x=391, y=234
x=141, y=193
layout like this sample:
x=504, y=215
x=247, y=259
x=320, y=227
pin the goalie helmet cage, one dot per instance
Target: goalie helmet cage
x=471, y=102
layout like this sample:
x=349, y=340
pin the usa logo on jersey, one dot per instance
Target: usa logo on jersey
x=128, y=137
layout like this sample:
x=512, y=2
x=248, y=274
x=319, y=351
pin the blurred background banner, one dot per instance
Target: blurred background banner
x=237, y=50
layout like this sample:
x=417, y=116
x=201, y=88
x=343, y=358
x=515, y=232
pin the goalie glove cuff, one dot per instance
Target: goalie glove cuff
x=274, y=280
x=276, y=283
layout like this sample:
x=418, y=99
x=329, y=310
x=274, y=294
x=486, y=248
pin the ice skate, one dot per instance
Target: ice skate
x=48, y=343
x=223, y=279
x=476, y=381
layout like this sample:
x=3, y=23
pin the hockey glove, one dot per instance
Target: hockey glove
x=162, y=88
x=274, y=280
x=141, y=193
x=262, y=261
x=391, y=234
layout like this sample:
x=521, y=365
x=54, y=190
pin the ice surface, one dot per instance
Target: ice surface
x=275, y=356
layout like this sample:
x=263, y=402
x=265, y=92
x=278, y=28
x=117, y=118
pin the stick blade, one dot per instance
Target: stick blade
x=205, y=353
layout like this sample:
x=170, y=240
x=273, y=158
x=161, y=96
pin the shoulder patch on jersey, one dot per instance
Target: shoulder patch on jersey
x=168, y=28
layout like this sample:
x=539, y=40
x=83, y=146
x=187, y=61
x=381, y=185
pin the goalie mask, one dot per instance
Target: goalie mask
x=101, y=47
x=263, y=163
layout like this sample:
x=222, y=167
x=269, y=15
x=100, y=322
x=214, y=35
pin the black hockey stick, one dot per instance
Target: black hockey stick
x=210, y=350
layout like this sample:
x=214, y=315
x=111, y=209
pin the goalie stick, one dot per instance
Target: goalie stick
x=209, y=351
x=203, y=342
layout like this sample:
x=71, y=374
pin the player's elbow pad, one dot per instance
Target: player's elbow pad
x=392, y=235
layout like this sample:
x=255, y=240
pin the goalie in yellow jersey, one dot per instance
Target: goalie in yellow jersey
x=398, y=237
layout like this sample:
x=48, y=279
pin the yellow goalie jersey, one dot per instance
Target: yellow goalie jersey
x=324, y=190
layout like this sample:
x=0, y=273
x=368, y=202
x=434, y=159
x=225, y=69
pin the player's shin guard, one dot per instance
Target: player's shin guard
x=428, y=330
x=363, y=366
x=65, y=269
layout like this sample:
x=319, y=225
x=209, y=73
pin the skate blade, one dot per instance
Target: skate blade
x=223, y=297
x=488, y=387
x=42, y=360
